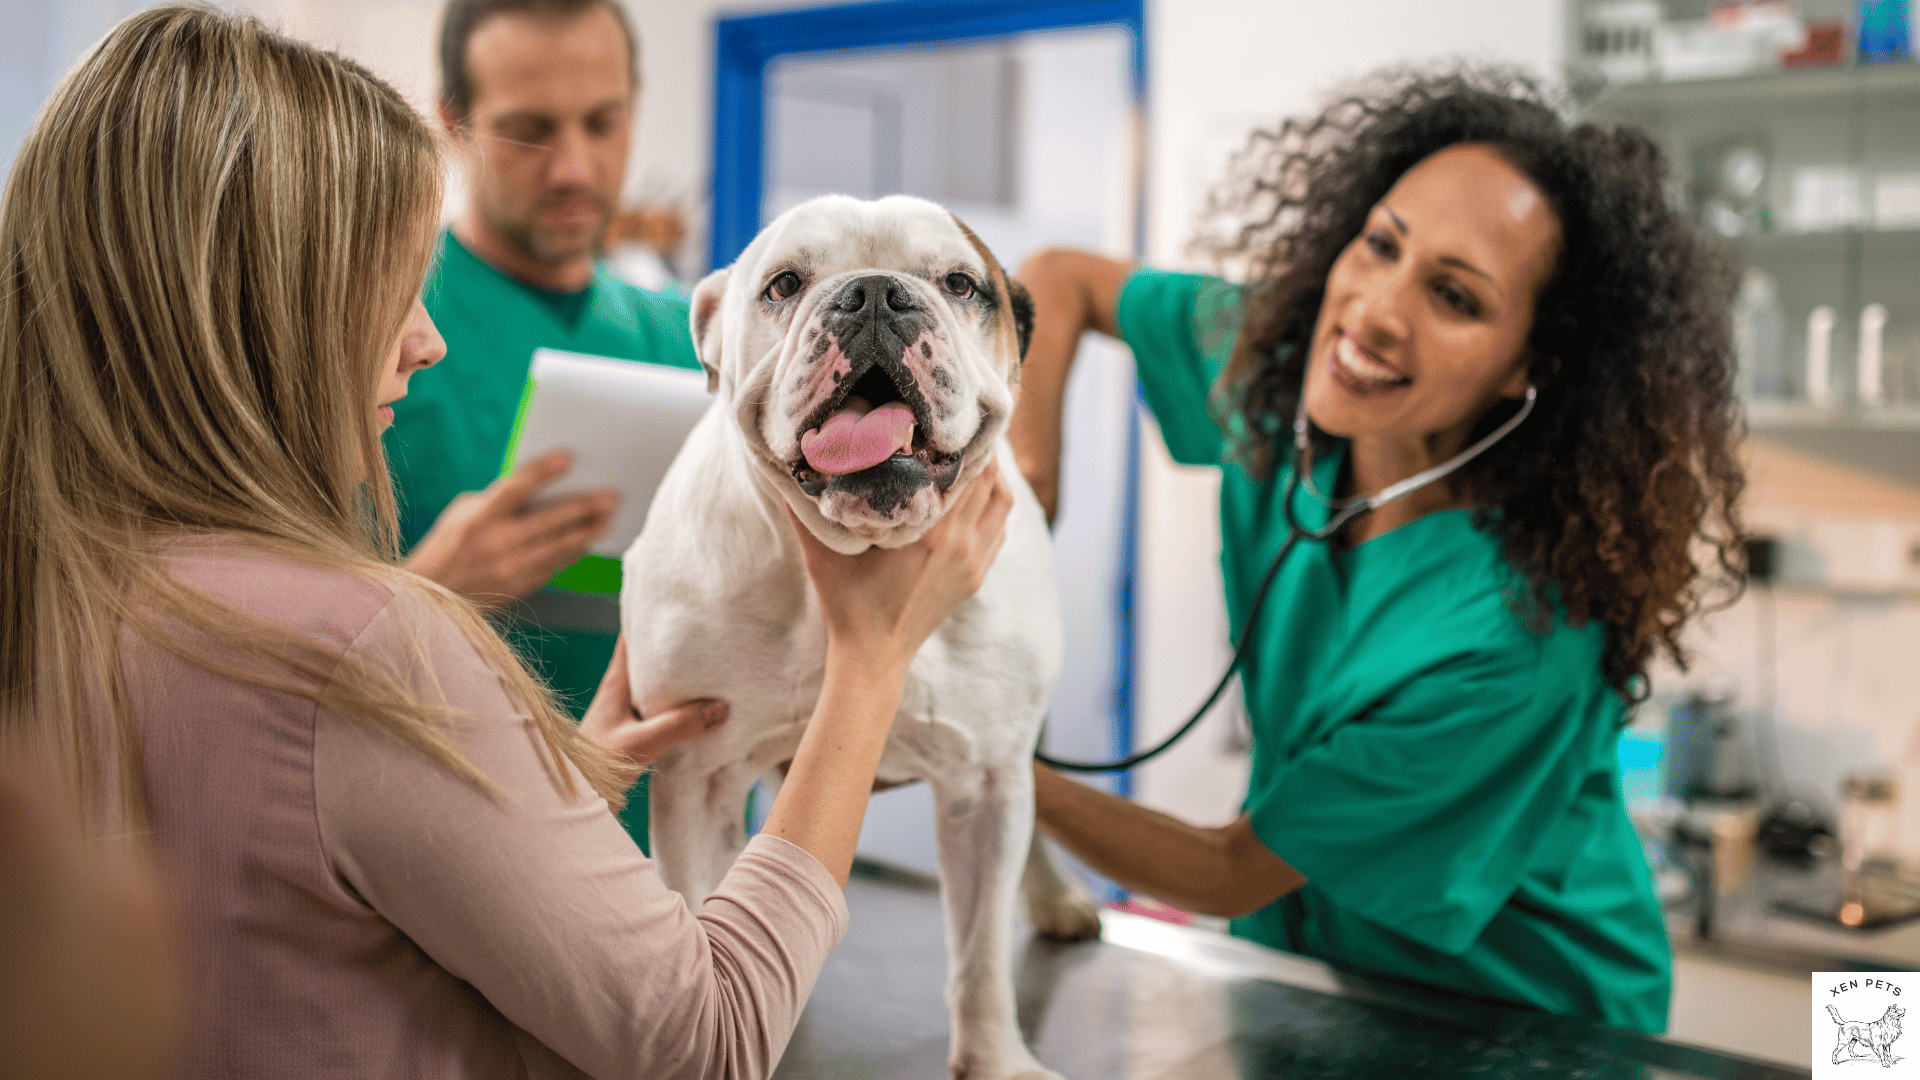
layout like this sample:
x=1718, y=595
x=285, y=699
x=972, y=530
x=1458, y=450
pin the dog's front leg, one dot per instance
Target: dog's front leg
x=697, y=823
x=985, y=824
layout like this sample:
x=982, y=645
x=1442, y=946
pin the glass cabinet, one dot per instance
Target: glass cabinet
x=1794, y=134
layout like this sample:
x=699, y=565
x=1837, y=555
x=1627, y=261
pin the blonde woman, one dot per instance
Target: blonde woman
x=395, y=856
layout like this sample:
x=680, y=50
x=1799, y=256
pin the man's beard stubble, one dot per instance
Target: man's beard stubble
x=540, y=244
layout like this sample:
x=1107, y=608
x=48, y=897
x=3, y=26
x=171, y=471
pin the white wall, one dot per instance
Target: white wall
x=43, y=37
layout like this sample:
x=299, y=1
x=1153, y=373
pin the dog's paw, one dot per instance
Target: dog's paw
x=1037, y=1072
x=1072, y=917
x=1011, y=1064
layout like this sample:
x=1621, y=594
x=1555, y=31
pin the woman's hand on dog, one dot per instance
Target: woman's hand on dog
x=613, y=722
x=880, y=605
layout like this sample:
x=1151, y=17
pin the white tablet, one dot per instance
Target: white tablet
x=623, y=422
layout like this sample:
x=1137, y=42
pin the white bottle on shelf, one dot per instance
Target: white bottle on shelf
x=1873, y=325
x=1758, y=327
x=1820, y=356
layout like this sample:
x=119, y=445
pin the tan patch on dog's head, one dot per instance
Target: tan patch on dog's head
x=1015, y=303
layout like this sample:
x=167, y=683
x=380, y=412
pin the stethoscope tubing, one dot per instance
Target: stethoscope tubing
x=1342, y=514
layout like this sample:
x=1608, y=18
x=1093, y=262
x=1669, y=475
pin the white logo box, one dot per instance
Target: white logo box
x=1863, y=1024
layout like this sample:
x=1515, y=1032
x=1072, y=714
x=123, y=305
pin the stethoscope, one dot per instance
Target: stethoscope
x=1341, y=511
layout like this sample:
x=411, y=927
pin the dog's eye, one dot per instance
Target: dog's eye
x=784, y=284
x=959, y=284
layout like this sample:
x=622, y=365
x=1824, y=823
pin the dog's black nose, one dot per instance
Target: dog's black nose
x=874, y=318
x=866, y=294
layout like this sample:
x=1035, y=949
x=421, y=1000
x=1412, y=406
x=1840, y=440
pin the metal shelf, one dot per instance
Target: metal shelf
x=1874, y=244
x=1838, y=82
x=1795, y=415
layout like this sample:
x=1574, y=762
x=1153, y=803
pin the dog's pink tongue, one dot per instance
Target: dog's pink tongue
x=858, y=437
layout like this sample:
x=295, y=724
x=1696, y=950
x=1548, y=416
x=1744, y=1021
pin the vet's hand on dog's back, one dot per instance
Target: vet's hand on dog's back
x=882, y=604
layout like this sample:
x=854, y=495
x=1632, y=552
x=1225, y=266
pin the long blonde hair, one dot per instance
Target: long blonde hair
x=207, y=249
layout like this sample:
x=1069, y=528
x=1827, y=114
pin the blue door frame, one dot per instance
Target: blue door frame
x=746, y=44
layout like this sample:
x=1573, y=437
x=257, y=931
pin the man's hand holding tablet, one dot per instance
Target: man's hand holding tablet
x=494, y=548
x=593, y=439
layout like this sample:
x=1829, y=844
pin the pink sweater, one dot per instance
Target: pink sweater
x=354, y=910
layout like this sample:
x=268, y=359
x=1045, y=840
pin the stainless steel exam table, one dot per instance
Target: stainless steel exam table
x=1154, y=1001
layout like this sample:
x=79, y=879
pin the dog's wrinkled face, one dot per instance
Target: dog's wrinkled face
x=869, y=350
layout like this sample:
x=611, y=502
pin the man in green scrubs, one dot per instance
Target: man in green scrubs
x=538, y=97
x=1442, y=773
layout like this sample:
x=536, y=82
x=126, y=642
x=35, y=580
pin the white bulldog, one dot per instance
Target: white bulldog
x=864, y=355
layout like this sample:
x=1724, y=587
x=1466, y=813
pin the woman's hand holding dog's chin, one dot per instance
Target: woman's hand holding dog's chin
x=881, y=605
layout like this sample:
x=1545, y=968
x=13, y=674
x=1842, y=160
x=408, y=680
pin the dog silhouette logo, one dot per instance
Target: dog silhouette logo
x=1857, y=1021
x=1862, y=1040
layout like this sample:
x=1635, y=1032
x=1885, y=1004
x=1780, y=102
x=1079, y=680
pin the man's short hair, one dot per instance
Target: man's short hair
x=463, y=17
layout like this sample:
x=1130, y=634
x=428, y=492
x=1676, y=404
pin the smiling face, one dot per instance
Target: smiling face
x=869, y=349
x=1427, y=311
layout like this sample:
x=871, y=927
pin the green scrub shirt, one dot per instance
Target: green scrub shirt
x=1444, y=774
x=450, y=432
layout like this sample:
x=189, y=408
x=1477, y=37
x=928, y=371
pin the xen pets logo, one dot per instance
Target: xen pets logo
x=1857, y=1023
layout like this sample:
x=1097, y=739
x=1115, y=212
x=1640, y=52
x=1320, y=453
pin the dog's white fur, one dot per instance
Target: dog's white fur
x=716, y=602
x=1860, y=1039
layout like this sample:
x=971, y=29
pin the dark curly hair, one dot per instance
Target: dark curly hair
x=1626, y=472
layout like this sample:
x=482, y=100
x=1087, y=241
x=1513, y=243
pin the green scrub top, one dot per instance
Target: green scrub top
x=1444, y=774
x=450, y=432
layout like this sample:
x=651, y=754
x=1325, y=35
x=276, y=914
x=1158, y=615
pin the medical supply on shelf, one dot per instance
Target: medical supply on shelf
x=1886, y=32
x=1759, y=335
x=1820, y=355
x=1873, y=322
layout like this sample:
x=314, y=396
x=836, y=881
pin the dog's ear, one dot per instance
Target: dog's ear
x=706, y=327
x=1021, y=301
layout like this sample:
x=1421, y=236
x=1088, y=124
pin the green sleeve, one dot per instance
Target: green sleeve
x=1423, y=814
x=662, y=320
x=1181, y=328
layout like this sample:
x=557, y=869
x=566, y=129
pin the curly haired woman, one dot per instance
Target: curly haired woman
x=1436, y=693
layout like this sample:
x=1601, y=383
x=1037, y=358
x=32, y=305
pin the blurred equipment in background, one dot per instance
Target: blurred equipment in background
x=641, y=243
x=1795, y=833
x=1868, y=833
x=1705, y=758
